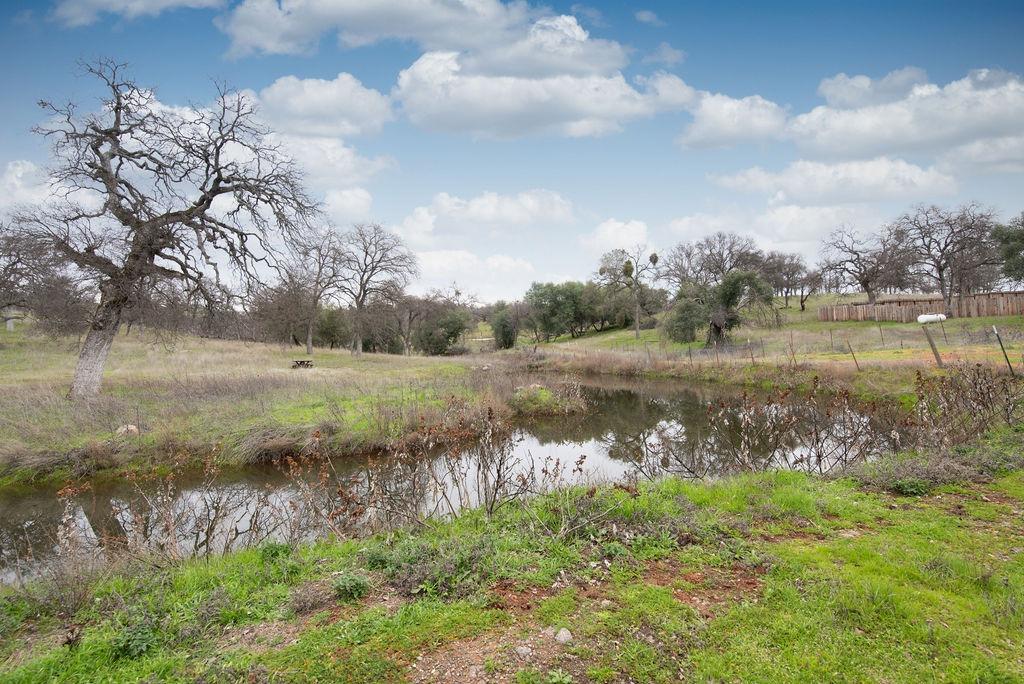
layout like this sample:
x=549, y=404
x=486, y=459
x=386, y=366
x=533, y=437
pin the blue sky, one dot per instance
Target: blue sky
x=515, y=142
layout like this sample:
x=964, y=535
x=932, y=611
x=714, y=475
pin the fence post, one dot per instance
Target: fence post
x=931, y=343
x=855, y=362
x=1008, y=364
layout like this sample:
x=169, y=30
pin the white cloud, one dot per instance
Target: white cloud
x=497, y=276
x=435, y=93
x=552, y=45
x=810, y=182
x=488, y=210
x=329, y=162
x=84, y=12
x=22, y=182
x=313, y=106
x=696, y=226
x=665, y=54
x=992, y=155
x=615, y=234
x=787, y=227
x=985, y=104
x=720, y=121
x=294, y=27
x=850, y=92
x=351, y=205
x=648, y=17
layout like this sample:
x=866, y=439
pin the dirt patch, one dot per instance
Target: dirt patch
x=709, y=590
x=505, y=596
x=497, y=656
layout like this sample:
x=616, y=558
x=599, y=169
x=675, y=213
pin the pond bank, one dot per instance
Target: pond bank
x=773, y=577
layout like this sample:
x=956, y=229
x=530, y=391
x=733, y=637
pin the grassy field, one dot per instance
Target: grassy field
x=802, y=336
x=775, y=577
x=200, y=397
x=906, y=570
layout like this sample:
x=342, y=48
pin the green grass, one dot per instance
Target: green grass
x=771, y=577
x=820, y=343
x=210, y=397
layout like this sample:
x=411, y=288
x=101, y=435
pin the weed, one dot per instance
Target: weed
x=350, y=587
x=135, y=638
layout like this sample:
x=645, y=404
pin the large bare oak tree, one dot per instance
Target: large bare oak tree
x=151, y=192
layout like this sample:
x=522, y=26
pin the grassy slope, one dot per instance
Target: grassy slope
x=201, y=396
x=772, y=577
x=968, y=339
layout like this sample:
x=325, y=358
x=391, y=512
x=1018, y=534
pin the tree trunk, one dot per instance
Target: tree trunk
x=636, y=317
x=92, y=357
x=872, y=295
x=946, y=291
x=357, y=333
x=309, y=337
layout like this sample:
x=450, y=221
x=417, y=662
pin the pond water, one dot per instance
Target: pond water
x=631, y=432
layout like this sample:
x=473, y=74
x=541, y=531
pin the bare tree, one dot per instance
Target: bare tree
x=409, y=311
x=153, y=192
x=872, y=264
x=317, y=263
x=682, y=267
x=784, y=272
x=721, y=253
x=953, y=249
x=810, y=283
x=375, y=265
x=630, y=270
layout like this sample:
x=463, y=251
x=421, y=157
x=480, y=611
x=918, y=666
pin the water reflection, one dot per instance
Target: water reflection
x=633, y=432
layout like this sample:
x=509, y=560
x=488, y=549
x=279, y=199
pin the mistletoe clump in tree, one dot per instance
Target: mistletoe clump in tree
x=629, y=270
x=145, y=193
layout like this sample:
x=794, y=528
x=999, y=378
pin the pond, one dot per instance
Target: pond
x=630, y=432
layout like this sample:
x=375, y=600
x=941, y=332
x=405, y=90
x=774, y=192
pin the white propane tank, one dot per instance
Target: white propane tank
x=931, y=318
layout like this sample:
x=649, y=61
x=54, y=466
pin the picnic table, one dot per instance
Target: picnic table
x=302, y=363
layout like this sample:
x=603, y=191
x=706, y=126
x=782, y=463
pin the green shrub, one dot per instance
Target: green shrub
x=135, y=639
x=684, y=319
x=504, y=329
x=350, y=587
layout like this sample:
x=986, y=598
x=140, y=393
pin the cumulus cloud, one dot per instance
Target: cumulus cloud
x=985, y=104
x=489, y=68
x=850, y=92
x=313, y=106
x=329, y=162
x=436, y=94
x=648, y=17
x=615, y=234
x=273, y=27
x=788, y=227
x=992, y=155
x=721, y=121
x=665, y=54
x=488, y=210
x=83, y=12
x=349, y=205
x=551, y=45
x=810, y=182
x=493, y=277
x=22, y=182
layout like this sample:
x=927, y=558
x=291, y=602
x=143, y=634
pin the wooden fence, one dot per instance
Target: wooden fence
x=907, y=310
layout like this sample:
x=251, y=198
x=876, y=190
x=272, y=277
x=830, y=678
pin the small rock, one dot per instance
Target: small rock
x=126, y=430
x=524, y=651
x=563, y=636
x=605, y=603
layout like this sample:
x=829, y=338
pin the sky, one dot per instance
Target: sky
x=515, y=142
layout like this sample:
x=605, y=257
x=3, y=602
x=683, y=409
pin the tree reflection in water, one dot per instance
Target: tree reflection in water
x=633, y=431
